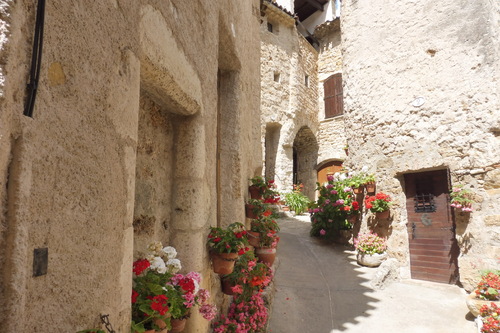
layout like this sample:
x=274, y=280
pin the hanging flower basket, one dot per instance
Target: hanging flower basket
x=358, y=190
x=255, y=192
x=383, y=215
x=370, y=188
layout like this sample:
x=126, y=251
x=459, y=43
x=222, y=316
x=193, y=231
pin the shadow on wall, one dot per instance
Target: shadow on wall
x=318, y=289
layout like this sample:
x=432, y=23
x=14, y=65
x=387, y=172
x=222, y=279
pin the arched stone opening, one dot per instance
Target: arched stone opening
x=305, y=154
x=271, y=143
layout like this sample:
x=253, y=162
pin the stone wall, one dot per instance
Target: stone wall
x=447, y=53
x=331, y=137
x=121, y=150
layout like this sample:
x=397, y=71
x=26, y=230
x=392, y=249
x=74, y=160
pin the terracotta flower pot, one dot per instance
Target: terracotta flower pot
x=383, y=215
x=223, y=263
x=266, y=255
x=226, y=286
x=253, y=238
x=474, y=304
x=370, y=188
x=255, y=192
x=370, y=260
x=358, y=190
x=161, y=324
x=178, y=325
x=249, y=211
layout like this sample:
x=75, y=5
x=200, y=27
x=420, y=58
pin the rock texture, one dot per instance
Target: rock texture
x=145, y=111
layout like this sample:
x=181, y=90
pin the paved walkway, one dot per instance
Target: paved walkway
x=321, y=289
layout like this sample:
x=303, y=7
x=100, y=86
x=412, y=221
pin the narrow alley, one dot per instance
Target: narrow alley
x=319, y=288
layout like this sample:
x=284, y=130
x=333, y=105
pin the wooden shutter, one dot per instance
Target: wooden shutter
x=334, y=102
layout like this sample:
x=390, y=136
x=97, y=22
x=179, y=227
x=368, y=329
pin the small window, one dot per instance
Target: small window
x=277, y=77
x=269, y=27
x=306, y=80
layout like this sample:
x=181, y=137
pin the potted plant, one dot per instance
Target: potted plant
x=150, y=307
x=461, y=198
x=487, y=291
x=225, y=245
x=257, y=187
x=490, y=318
x=379, y=204
x=184, y=293
x=248, y=276
x=356, y=182
x=265, y=223
x=370, y=186
x=296, y=200
x=267, y=250
x=370, y=249
x=244, y=315
x=254, y=208
x=332, y=213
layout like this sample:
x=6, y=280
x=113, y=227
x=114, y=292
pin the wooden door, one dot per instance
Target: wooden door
x=431, y=230
x=327, y=169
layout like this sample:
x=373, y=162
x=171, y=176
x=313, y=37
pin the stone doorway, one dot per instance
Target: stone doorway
x=431, y=230
x=305, y=155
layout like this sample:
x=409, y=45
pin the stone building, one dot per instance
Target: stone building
x=300, y=138
x=422, y=112
x=145, y=127
x=419, y=88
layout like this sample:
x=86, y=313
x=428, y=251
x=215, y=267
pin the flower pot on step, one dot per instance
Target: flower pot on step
x=266, y=255
x=253, y=238
x=370, y=260
x=223, y=263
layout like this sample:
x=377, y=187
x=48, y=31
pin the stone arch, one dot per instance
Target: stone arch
x=305, y=154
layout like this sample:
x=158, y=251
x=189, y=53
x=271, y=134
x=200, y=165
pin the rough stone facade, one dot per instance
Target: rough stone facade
x=331, y=137
x=293, y=114
x=140, y=106
x=288, y=101
x=447, y=53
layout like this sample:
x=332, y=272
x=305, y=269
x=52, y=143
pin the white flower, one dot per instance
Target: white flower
x=155, y=247
x=174, y=265
x=158, y=265
x=364, y=169
x=169, y=252
x=342, y=176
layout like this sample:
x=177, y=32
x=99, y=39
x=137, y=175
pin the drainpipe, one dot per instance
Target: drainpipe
x=36, y=59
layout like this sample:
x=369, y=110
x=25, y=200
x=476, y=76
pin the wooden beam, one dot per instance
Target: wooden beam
x=315, y=4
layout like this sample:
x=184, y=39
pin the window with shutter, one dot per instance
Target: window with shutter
x=334, y=102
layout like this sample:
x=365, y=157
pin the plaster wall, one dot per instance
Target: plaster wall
x=74, y=177
x=447, y=53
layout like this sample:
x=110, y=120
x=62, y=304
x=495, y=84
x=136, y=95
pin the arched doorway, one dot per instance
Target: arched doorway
x=305, y=155
x=328, y=168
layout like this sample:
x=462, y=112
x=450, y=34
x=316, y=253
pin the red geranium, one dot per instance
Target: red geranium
x=160, y=304
x=187, y=285
x=135, y=294
x=140, y=265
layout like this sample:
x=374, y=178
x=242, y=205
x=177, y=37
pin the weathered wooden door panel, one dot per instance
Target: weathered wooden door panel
x=431, y=232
